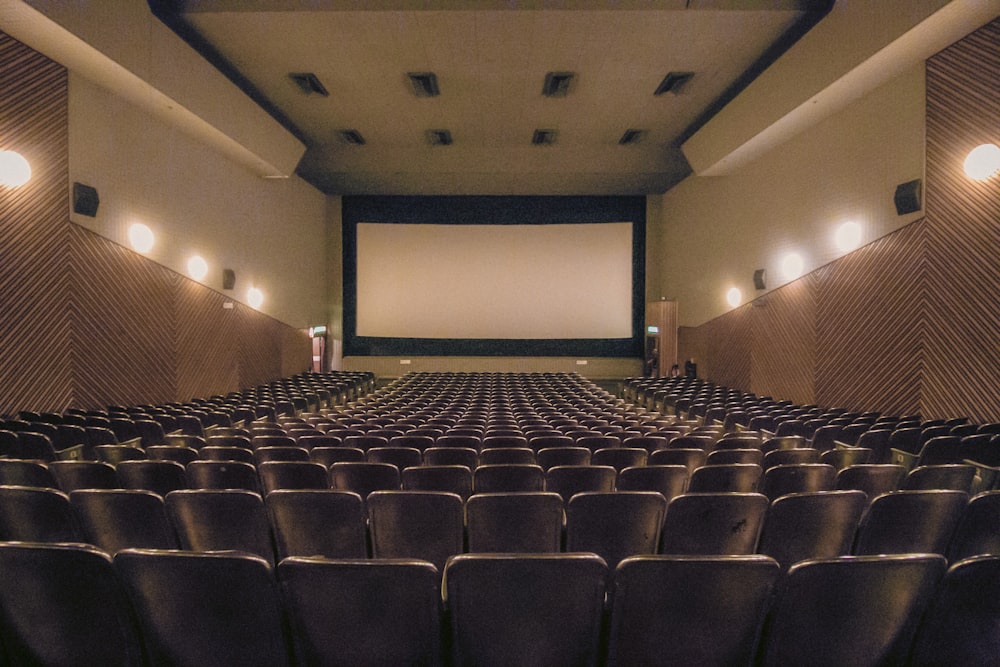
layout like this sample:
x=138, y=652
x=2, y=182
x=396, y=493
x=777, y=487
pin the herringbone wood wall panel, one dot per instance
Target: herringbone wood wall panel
x=86, y=322
x=909, y=323
x=35, y=364
x=962, y=326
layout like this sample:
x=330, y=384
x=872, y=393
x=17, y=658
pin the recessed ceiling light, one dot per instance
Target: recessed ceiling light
x=309, y=83
x=632, y=136
x=673, y=82
x=425, y=84
x=352, y=137
x=557, y=84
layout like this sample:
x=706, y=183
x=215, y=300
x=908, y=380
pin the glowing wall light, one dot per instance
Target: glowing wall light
x=734, y=296
x=14, y=169
x=983, y=162
x=197, y=267
x=255, y=297
x=848, y=236
x=141, y=237
x=792, y=266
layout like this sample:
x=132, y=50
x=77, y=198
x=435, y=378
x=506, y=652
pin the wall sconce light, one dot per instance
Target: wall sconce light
x=792, y=266
x=983, y=162
x=197, y=267
x=734, y=297
x=141, y=238
x=848, y=236
x=14, y=169
x=255, y=297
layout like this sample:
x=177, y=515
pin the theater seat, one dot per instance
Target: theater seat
x=116, y=519
x=63, y=604
x=530, y=610
x=426, y=525
x=804, y=526
x=615, y=525
x=350, y=613
x=910, y=522
x=713, y=524
x=199, y=609
x=514, y=522
x=220, y=519
x=324, y=523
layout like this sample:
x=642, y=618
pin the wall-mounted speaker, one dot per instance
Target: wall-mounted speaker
x=759, y=277
x=85, y=200
x=908, y=196
x=228, y=279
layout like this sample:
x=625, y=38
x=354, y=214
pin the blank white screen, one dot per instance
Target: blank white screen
x=555, y=281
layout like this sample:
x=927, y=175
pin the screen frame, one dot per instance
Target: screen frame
x=492, y=210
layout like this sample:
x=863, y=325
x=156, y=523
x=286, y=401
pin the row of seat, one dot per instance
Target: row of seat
x=73, y=604
x=433, y=526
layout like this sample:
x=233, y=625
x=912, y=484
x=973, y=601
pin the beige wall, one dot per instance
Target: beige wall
x=271, y=232
x=714, y=232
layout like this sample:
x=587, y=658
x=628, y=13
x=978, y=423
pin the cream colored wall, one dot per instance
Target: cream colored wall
x=715, y=231
x=271, y=232
x=335, y=282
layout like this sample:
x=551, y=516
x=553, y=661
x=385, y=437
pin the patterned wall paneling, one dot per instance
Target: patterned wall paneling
x=783, y=335
x=869, y=329
x=206, y=342
x=296, y=351
x=35, y=371
x=259, y=347
x=123, y=324
x=962, y=346
x=729, y=349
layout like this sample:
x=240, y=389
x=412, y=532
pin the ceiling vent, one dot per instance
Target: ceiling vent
x=309, y=83
x=632, y=137
x=557, y=84
x=673, y=82
x=439, y=137
x=543, y=137
x=352, y=137
x=425, y=84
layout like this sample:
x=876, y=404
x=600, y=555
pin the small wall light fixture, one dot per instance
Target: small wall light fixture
x=983, y=162
x=792, y=266
x=848, y=236
x=141, y=237
x=255, y=297
x=14, y=169
x=197, y=267
x=734, y=297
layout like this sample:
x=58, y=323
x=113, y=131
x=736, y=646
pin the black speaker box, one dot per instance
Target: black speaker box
x=907, y=197
x=85, y=200
x=228, y=279
x=759, y=279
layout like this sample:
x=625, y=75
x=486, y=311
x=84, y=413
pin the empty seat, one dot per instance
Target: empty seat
x=910, y=522
x=690, y=458
x=222, y=475
x=501, y=478
x=507, y=455
x=514, y=522
x=849, y=610
x=263, y=454
x=957, y=477
x=401, y=457
x=226, y=453
x=327, y=456
x=64, y=605
x=620, y=458
x=276, y=475
x=23, y=472
x=364, y=478
x=977, y=532
x=797, y=478
x=843, y=457
x=325, y=523
x=199, y=609
x=567, y=481
x=713, y=523
x=362, y=613
x=73, y=475
x=730, y=456
x=779, y=457
x=159, y=476
x=220, y=520
x=688, y=610
x=563, y=456
x=455, y=479
x=426, y=525
x=180, y=454
x=962, y=624
x=531, y=610
x=872, y=478
x=115, y=454
x=31, y=514
x=669, y=481
x=731, y=478
x=447, y=456
x=804, y=526
x=116, y=519
x=615, y=525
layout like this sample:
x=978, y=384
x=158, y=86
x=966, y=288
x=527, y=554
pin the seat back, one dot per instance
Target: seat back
x=563, y=456
x=713, y=523
x=615, y=525
x=532, y=610
x=507, y=456
x=804, y=526
x=662, y=608
x=64, y=604
x=690, y=458
x=219, y=520
x=426, y=525
x=455, y=479
x=116, y=519
x=159, y=476
x=327, y=456
x=955, y=476
x=507, y=478
x=363, y=478
x=325, y=523
x=514, y=522
x=977, y=532
x=849, y=610
x=205, y=608
x=276, y=475
x=620, y=458
x=798, y=478
x=385, y=612
x=910, y=522
x=872, y=478
x=567, y=481
x=401, y=457
x=24, y=472
x=31, y=514
x=731, y=478
x=222, y=475
x=668, y=480
x=962, y=623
